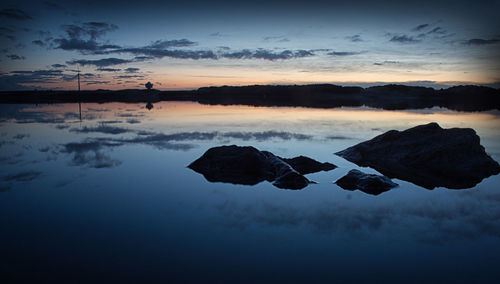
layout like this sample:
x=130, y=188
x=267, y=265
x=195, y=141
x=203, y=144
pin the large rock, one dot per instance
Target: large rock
x=427, y=155
x=367, y=183
x=247, y=165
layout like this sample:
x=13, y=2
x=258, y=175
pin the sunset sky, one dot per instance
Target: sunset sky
x=190, y=44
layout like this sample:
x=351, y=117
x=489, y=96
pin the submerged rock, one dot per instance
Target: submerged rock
x=426, y=155
x=249, y=166
x=367, y=183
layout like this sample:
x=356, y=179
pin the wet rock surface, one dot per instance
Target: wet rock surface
x=426, y=155
x=367, y=183
x=305, y=165
x=249, y=166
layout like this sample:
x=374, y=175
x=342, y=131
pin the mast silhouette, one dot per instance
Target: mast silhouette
x=79, y=102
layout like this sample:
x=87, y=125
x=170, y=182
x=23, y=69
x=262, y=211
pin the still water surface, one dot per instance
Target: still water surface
x=105, y=195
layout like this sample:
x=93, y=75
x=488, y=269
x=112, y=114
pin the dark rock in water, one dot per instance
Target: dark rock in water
x=305, y=165
x=247, y=165
x=242, y=165
x=427, y=155
x=367, y=183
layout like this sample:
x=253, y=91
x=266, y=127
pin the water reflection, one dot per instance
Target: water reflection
x=117, y=186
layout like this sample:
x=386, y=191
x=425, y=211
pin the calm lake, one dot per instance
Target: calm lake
x=102, y=193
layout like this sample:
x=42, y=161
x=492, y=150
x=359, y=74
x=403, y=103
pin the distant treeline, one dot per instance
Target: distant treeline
x=391, y=97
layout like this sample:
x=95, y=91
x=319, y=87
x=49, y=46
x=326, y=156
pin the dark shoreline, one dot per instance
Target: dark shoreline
x=389, y=97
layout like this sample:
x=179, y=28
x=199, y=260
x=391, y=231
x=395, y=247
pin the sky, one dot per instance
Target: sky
x=191, y=44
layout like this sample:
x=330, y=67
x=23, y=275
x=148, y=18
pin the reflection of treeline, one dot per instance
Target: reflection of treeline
x=465, y=98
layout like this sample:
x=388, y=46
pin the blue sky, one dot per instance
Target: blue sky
x=123, y=44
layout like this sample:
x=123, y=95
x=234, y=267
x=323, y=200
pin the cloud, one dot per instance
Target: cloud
x=96, y=82
x=21, y=136
x=15, y=57
x=38, y=42
x=344, y=53
x=267, y=54
x=15, y=14
x=7, y=33
x=22, y=176
x=100, y=62
x=162, y=44
x=109, y=69
x=84, y=37
x=387, y=62
x=286, y=54
x=15, y=78
x=101, y=129
x=89, y=153
x=436, y=222
x=266, y=135
x=479, y=41
x=276, y=39
x=404, y=39
x=437, y=30
x=420, y=27
x=132, y=70
x=151, y=53
x=128, y=76
x=354, y=38
x=53, y=6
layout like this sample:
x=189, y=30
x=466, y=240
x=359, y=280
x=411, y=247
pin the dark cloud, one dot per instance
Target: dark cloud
x=22, y=176
x=109, y=69
x=53, y=6
x=337, y=137
x=15, y=57
x=38, y=42
x=355, y=38
x=100, y=62
x=420, y=27
x=84, y=37
x=96, y=82
x=386, y=62
x=128, y=76
x=266, y=135
x=90, y=154
x=7, y=33
x=132, y=70
x=436, y=222
x=151, y=53
x=163, y=44
x=243, y=54
x=404, y=39
x=267, y=54
x=21, y=136
x=15, y=14
x=344, y=53
x=4, y=188
x=15, y=79
x=479, y=41
x=101, y=129
x=276, y=39
x=62, y=126
x=44, y=149
x=133, y=121
x=437, y=30
x=286, y=54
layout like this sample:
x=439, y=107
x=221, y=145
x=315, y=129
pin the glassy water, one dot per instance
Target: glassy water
x=104, y=195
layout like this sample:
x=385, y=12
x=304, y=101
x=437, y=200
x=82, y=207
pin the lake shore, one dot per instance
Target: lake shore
x=389, y=97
